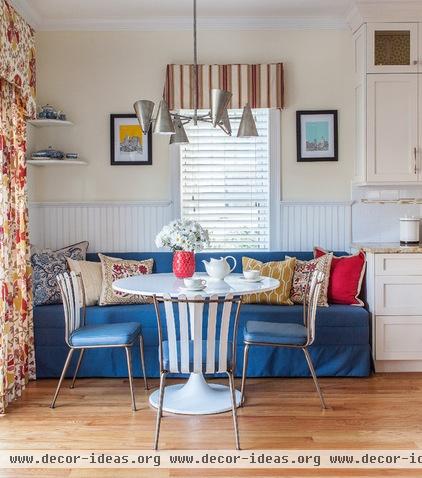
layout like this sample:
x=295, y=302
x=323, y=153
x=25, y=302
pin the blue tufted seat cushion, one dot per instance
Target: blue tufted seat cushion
x=106, y=334
x=166, y=359
x=275, y=333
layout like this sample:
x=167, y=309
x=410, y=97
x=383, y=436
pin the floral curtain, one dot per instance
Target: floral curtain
x=17, y=55
x=17, y=88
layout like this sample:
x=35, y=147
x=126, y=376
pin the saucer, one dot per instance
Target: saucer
x=193, y=289
x=258, y=279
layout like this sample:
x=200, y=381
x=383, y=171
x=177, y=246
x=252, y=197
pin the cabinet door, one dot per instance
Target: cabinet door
x=398, y=338
x=392, y=128
x=392, y=48
x=398, y=264
x=398, y=295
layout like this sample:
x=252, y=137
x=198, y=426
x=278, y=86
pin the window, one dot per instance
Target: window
x=225, y=183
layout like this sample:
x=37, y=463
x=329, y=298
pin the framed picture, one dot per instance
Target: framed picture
x=316, y=135
x=128, y=145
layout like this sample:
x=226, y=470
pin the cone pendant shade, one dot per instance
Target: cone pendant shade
x=247, y=127
x=180, y=137
x=219, y=101
x=171, y=123
x=225, y=123
x=144, y=110
x=163, y=123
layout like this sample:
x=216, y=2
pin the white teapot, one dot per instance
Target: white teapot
x=218, y=269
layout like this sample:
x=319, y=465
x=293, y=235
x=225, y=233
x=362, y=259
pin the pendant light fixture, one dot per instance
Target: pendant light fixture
x=172, y=124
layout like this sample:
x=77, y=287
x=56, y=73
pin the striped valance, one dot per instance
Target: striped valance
x=261, y=85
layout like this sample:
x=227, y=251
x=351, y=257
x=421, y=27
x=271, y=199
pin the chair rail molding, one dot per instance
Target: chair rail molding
x=108, y=226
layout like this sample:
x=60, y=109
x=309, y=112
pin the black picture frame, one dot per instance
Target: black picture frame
x=316, y=155
x=115, y=161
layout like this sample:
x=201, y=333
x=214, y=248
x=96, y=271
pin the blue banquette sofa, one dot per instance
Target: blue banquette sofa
x=341, y=348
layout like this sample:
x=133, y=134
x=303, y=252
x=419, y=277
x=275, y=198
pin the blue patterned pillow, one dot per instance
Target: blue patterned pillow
x=47, y=265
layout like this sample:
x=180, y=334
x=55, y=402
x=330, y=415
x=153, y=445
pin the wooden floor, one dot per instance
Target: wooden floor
x=380, y=412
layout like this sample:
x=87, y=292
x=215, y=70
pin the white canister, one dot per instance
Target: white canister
x=409, y=230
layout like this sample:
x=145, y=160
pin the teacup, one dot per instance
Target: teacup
x=194, y=283
x=251, y=275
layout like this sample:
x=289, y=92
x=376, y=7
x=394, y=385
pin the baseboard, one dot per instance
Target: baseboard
x=398, y=366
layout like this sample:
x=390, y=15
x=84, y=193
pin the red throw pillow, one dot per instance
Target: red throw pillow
x=345, y=278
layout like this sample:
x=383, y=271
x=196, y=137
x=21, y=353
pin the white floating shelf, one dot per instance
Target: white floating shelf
x=51, y=162
x=41, y=123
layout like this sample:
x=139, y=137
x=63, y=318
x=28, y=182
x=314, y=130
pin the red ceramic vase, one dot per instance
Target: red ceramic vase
x=183, y=264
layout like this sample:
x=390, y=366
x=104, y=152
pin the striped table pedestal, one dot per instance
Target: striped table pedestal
x=196, y=396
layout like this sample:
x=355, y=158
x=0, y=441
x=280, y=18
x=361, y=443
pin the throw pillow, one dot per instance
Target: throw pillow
x=113, y=269
x=46, y=265
x=91, y=277
x=301, y=277
x=346, y=277
x=280, y=270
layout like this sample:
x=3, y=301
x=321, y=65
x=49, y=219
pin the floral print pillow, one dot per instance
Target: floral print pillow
x=114, y=269
x=47, y=265
x=302, y=275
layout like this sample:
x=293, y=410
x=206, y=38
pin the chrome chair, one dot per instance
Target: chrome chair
x=187, y=350
x=80, y=337
x=296, y=336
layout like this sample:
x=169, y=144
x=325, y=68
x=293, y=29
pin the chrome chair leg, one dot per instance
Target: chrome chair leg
x=245, y=369
x=234, y=409
x=129, y=371
x=65, y=367
x=160, y=409
x=312, y=370
x=81, y=354
x=141, y=348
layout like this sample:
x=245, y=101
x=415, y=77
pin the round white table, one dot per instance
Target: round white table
x=196, y=396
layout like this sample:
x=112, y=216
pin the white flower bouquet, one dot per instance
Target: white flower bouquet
x=183, y=235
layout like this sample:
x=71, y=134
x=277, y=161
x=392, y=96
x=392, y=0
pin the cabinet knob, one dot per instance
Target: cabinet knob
x=415, y=62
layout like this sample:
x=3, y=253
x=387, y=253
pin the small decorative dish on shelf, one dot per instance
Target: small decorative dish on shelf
x=50, y=116
x=49, y=112
x=72, y=155
x=48, y=153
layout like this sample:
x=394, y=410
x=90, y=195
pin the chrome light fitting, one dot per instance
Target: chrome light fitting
x=166, y=122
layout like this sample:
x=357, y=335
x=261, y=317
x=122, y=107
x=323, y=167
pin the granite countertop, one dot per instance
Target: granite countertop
x=387, y=248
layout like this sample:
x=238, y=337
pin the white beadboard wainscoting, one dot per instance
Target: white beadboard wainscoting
x=108, y=226
x=308, y=224
x=132, y=226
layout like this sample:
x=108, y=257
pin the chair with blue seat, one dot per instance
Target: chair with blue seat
x=290, y=335
x=80, y=336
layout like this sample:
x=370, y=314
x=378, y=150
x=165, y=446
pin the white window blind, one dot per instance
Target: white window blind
x=225, y=183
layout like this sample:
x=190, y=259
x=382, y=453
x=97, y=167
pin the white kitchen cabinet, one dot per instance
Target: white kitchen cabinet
x=392, y=48
x=394, y=299
x=388, y=104
x=392, y=128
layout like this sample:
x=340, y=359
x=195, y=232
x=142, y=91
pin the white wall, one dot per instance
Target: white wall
x=92, y=74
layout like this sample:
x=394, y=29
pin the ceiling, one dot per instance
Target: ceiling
x=65, y=9
x=160, y=14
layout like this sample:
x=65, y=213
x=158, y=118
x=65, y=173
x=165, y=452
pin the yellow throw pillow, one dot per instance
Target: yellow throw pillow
x=280, y=270
x=91, y=277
